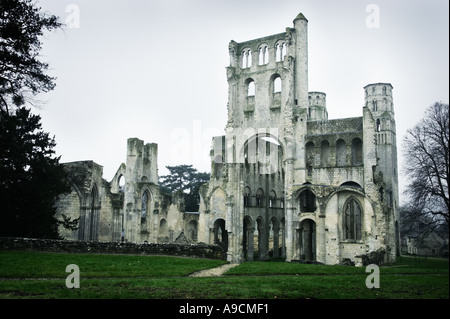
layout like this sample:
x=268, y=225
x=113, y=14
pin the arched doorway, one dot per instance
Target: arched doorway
x=220, y=234
x=307, y=240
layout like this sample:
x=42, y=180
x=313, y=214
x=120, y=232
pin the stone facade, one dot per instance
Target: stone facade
x=286, y=181
x=129, y=208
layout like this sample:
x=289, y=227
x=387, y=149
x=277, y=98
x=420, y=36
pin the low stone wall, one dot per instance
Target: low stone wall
x=66, y=246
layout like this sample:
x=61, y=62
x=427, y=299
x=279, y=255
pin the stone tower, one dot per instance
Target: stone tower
x=378, y=98
x=287, y=181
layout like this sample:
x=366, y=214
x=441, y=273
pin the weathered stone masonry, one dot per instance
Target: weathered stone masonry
x=286, y=181
x=129, y=208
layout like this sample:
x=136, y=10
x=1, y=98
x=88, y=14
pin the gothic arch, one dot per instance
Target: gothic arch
x=307, y=200
x=352, y=219
x=247, y=196
x=220, y=234
x=265, y=149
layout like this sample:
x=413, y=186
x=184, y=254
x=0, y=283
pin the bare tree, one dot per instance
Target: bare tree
x=427, y=164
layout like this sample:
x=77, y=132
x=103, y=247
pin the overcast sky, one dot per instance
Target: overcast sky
x=155, y=70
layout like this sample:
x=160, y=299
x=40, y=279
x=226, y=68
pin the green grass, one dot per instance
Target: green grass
x=42, y=275
x=53, y=265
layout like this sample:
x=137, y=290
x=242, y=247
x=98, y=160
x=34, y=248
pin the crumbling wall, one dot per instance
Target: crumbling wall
x=51, y=245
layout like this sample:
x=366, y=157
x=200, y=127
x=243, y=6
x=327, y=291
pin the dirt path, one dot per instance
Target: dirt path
x=213, y=272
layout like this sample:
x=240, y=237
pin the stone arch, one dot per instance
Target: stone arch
x=272, y=199
x=280, y=50
x=263, y=54
x=351, y=184
x=163, y=229
x=121, y=183
x=307, y=201
x=251, y=87
x=265, y=150
x=352, y=219
x=246, y=58
x=260, y=199
x=276, y=83
x=220, y=234
x=247, y=196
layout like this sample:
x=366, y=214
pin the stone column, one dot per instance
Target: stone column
x=250, y=243
x=276, y=241
x=290, y=233
x=262, y=249
x=229, y=227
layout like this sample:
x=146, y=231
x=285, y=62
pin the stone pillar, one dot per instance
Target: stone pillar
x=250, y=243
x=289, y=238
x=229, y=227
x=262, y=248
x=276, y=241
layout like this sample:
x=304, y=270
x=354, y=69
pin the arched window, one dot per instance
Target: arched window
x=260, y=198
x=272, y=198
x=277, y=84
x=341, y=156
x=263, y=57
x=357, y=158
x=307, y=201
x=246, y=58
x=374, y=106
x=247, y=194
x=163, y=228
x=121, y=183
x=144, y=205
x=251, y=88
x=352, y=220
x=280, y=51
x=378, y=125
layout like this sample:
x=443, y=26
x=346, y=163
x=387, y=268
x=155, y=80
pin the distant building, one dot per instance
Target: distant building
x=424, y=240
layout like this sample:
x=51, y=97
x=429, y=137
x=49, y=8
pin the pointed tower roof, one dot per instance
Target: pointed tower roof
x=300, y=16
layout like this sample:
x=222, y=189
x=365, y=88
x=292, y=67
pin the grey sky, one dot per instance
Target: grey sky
x=156, y=69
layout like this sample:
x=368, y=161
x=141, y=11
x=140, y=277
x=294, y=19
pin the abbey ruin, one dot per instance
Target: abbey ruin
x=286, y=181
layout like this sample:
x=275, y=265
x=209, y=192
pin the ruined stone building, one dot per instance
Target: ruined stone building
x=131, y=207
x=286, y=181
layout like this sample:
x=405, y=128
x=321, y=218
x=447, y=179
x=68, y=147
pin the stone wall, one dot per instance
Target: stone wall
x=66, y=246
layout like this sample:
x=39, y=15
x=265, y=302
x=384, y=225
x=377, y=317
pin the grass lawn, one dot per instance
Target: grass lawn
x=42, y=275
